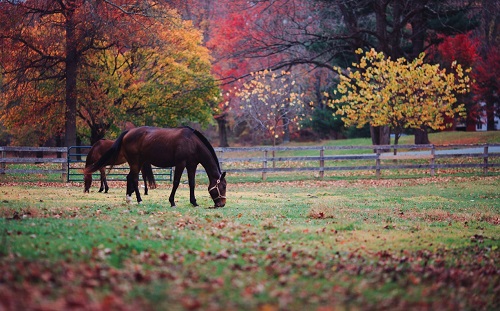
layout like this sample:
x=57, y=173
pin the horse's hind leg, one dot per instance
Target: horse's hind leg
x=104, y=184
x=133, y=186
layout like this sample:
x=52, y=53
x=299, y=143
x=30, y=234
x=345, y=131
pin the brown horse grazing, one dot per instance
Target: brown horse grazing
x=180, y=147
x=97, y=150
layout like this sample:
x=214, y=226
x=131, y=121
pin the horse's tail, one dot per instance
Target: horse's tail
x=149, y=177
x=107, y=158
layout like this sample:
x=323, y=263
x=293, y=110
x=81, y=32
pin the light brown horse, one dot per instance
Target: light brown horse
x=95, y=153
x=167, y=147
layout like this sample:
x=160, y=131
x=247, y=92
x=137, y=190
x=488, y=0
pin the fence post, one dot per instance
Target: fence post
x=377, y=164
x=64, y=167
x=322, y=162
x=485, y=160
x=264, y=166
x=3, y=165
x=433, y=161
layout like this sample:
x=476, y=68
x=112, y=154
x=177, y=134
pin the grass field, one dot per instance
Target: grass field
x=399, y=244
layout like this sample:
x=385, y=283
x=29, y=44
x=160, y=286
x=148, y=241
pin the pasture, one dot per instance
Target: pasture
x=400, y=244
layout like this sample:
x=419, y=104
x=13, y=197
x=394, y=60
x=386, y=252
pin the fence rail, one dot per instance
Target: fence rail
x=35, y=156
x=76, y=164
x=375, y=158
x=265, y=160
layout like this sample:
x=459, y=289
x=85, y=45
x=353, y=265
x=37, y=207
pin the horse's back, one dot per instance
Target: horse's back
x=97, y=150
x=162, y=147
x=103, y=145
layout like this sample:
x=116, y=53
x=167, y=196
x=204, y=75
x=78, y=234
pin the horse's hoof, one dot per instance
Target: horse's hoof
x=128, y=199
x=140, y=202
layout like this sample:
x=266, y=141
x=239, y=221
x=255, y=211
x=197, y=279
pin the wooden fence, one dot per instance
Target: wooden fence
x=265, y=160
x=76, y=164
x=34, y=156
x=374, y=158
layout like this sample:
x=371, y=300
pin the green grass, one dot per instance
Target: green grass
x=354, y=244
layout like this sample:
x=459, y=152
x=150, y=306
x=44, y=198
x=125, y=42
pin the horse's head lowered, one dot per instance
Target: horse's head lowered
x=217, y=190
x=87, y=179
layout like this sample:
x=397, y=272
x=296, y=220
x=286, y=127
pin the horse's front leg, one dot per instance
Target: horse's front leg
x=191, y=180
x=145, y=184
x=106, y=187
x=175, y=184
x=136, y=187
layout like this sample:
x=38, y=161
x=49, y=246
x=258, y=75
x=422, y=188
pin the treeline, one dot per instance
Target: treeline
x=77, y=70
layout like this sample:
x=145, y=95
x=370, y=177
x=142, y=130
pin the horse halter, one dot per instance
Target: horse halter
x=218, y=190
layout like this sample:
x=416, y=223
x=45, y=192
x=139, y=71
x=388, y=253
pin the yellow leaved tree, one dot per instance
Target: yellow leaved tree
x=399, y=94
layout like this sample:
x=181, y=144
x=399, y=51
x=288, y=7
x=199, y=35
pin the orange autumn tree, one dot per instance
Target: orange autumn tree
x=52, y=65
x=31, y=97
x=398, y=93
x=167, y=83
x=46, y=42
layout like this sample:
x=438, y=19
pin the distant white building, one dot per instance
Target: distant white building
x=481, y=124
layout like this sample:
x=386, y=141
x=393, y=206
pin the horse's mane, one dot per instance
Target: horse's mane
x=207, y=144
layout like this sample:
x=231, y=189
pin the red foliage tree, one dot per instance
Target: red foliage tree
x=463, y=49
x=487, y=84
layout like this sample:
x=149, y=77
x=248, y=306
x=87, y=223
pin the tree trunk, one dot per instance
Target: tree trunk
x=97, y=134
x=396, y=141
x=381, y=135
x=421, y=137
x=418, y=26
x=79, y=150
x=71, y=73
x=221, y=122
x=470, y=123
x=286, y=129
x=490, y=116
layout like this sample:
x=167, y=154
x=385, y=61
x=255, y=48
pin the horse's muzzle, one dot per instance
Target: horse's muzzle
x=220, y=203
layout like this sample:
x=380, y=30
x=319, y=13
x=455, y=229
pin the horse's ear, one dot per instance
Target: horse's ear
x=223, y=175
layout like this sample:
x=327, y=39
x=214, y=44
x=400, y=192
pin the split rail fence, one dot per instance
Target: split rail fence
x=360, y=158
x=69, y=162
